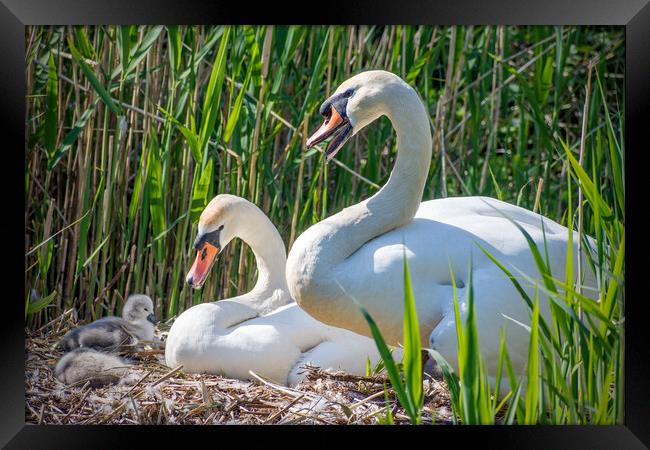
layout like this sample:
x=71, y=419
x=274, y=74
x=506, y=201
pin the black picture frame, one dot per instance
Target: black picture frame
x=633, y=14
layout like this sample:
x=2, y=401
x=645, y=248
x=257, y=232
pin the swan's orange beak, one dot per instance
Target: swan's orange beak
x=205, y=258
x=326, y=129
x=334, y=125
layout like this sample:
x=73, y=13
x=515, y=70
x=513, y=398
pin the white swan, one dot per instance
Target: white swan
x=359, y=252
x=263, y=330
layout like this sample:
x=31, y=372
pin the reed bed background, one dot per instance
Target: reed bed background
x=131, y=130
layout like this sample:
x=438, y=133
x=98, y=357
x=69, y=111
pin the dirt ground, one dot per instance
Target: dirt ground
x=153, y=393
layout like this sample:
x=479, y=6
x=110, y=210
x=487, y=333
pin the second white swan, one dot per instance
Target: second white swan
x=263, y=331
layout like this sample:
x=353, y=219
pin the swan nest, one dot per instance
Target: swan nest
x=153, y=393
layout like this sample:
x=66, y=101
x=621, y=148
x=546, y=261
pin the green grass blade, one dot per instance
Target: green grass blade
x=545, y=328
x=94, y=82
x=471, y=362
x=32, y=307
x=543, y=268
x=452, y=380
x=175, y=50
x=96, y=251
x=72, y=135
x=412, y=344
x=51, y=108
x=140, y=52
x=124, y=40
x=388, y=420
x=154, y=192
x=511, y=414
x=200, y=193
x=389, y=363
x=212, y=97
x=532, y=390
x=588, y=186
x=236, y=109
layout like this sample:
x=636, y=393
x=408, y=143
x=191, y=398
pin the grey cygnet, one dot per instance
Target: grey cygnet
x=109, y=333
x=84, y=364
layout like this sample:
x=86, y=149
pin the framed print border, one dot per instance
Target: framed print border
x=634, y=15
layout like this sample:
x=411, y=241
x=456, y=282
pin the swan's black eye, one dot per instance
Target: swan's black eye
x=348, y=93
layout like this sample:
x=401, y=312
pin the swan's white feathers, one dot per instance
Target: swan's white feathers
x=444, y=235
x=227, y=338
x=262, y=331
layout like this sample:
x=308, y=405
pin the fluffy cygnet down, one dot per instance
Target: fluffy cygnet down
x=109, y=333
x=83, y=364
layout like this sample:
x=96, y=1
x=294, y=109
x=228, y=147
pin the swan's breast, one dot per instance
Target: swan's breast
x=269, y=345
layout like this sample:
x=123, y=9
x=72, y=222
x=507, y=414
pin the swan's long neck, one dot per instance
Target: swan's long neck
x=270, y=291
x=312, y=266
x=397, y=201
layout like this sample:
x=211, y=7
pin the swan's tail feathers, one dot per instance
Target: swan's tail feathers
x=83, y=364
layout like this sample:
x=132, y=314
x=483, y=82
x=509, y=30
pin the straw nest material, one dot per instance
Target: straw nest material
x=153, y=393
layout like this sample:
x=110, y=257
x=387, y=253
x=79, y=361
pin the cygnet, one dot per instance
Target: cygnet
x=109, y=333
